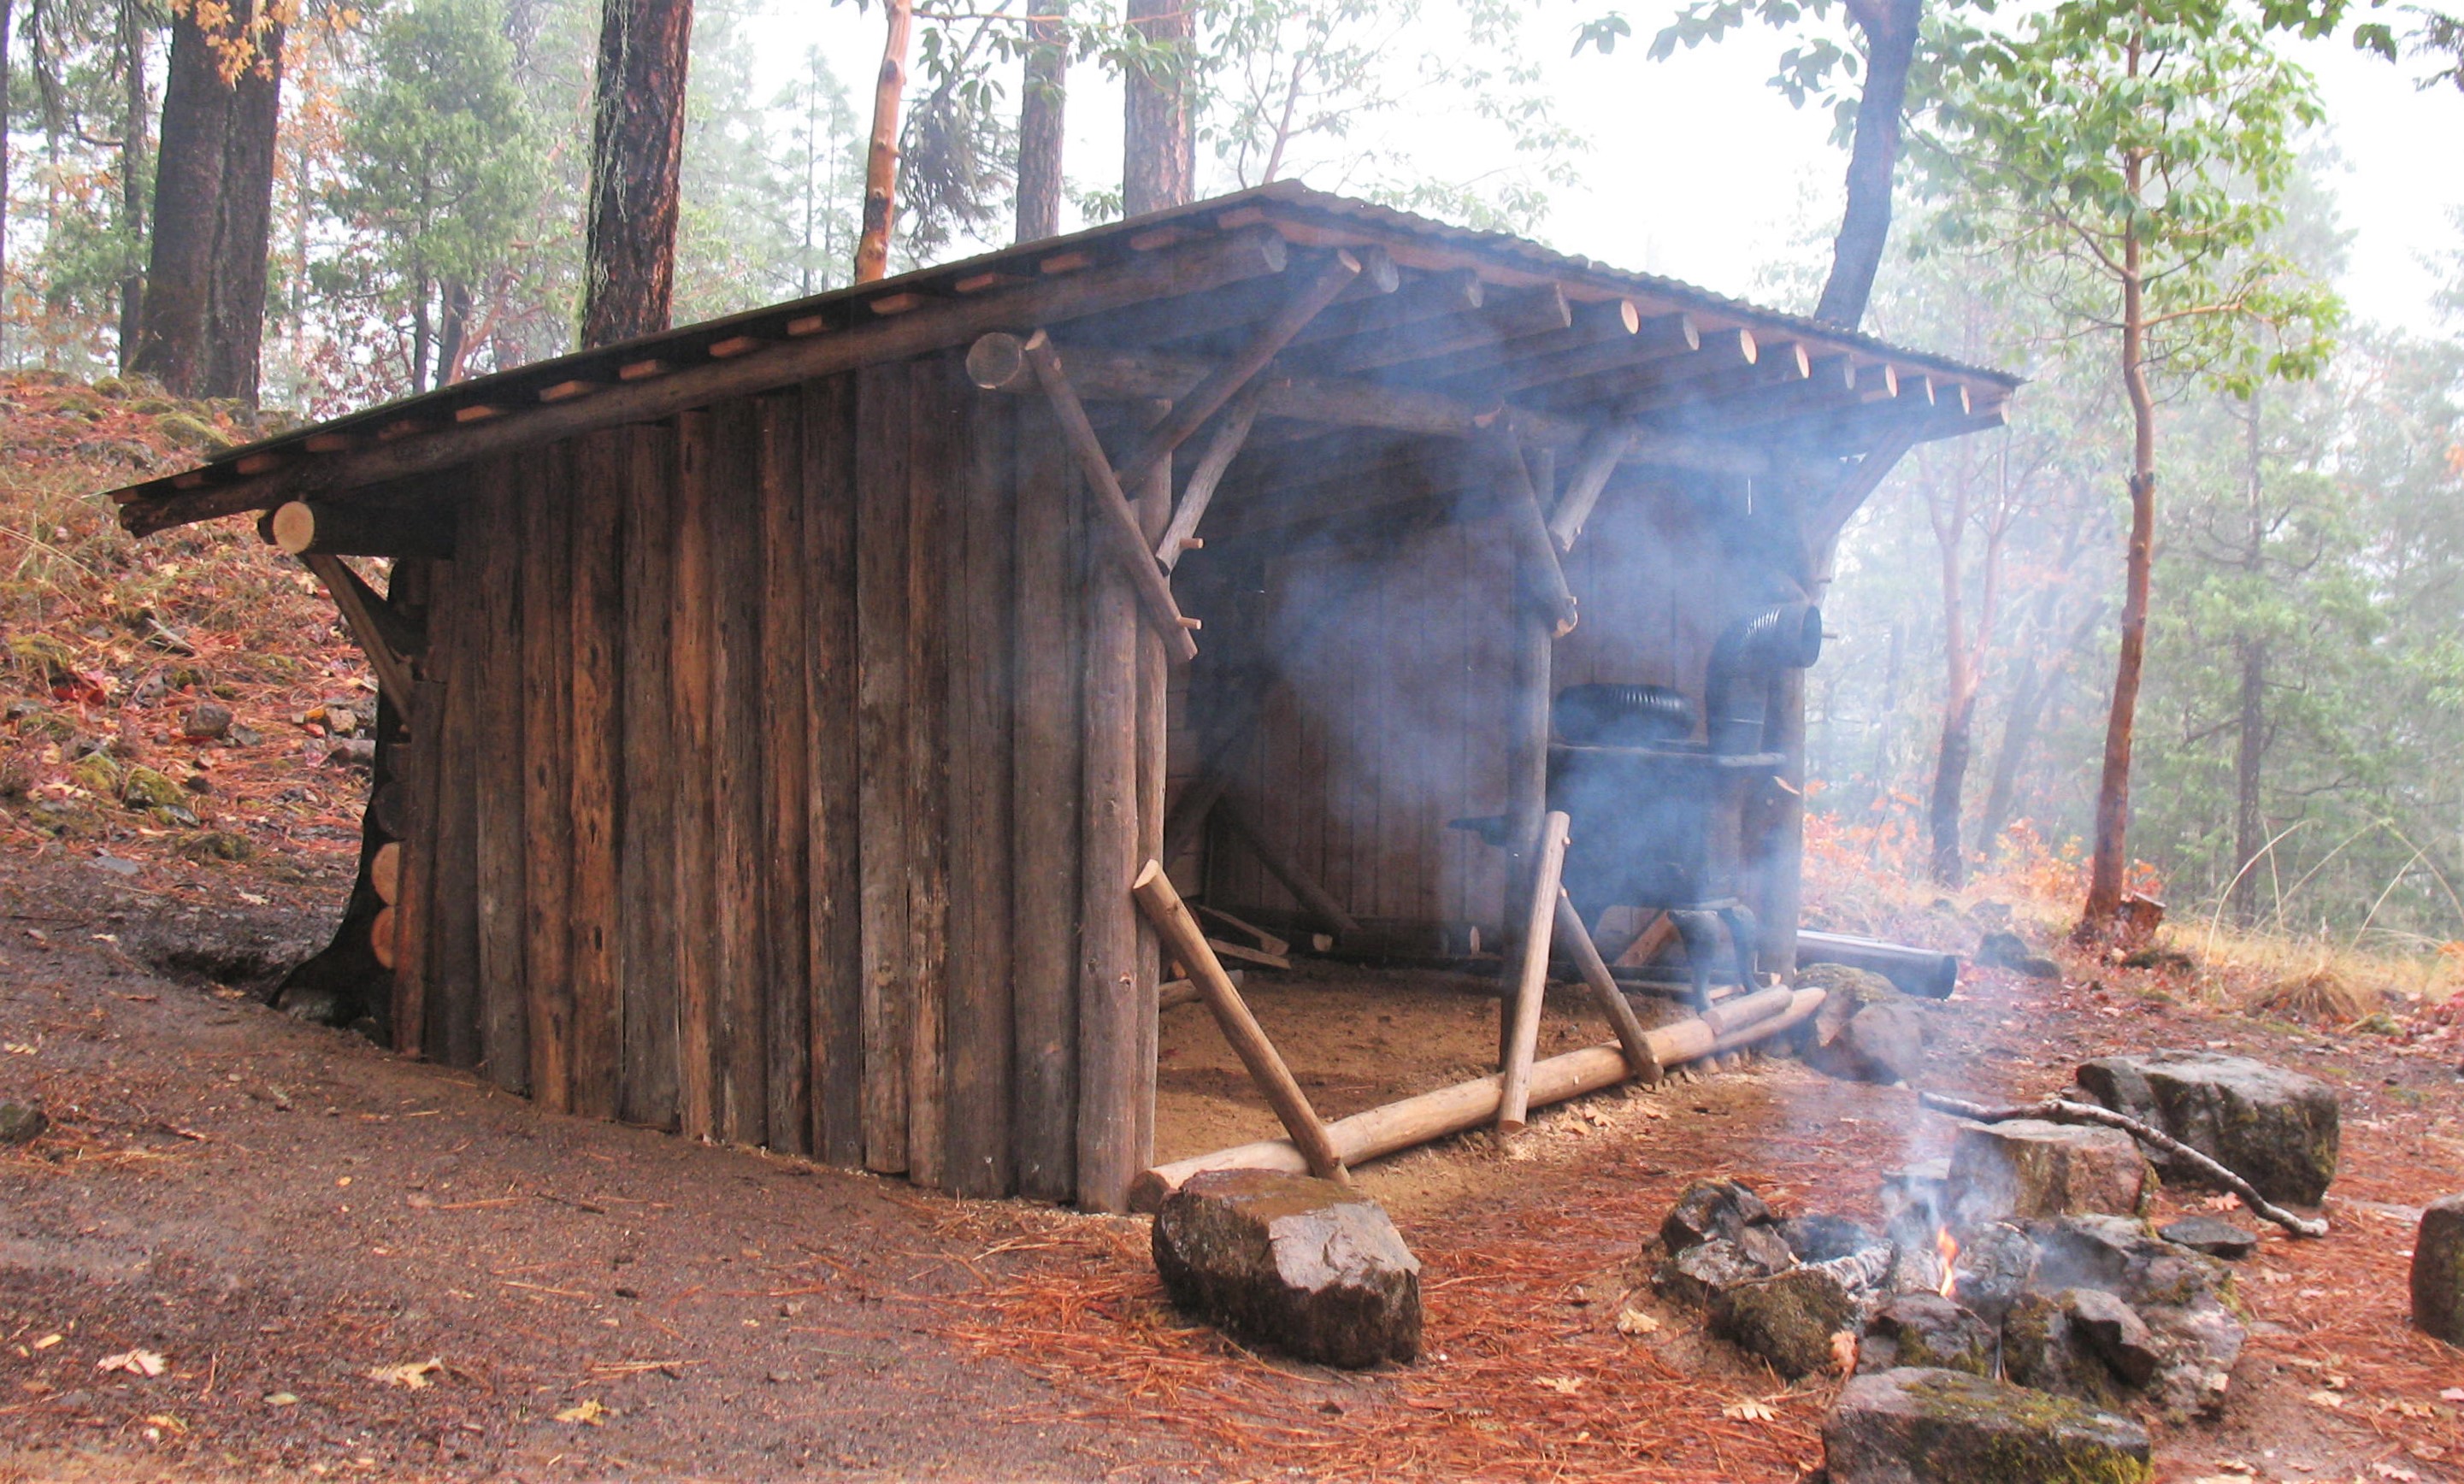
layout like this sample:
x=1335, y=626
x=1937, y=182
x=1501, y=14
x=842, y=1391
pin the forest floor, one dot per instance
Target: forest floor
x=353, y=1266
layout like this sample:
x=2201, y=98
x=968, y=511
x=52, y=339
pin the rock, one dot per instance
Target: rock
x=1997, y=1265
x=219, y=845
x=144, y=788
x=2212, y=1236
x=2008, y=951
x=1299, y=1263
x=2027, y=1168
x=1914, y=1426
x=205, y=721
x=2115, y=1332
x=2276, y=1128
x=1787, y=1318
x=1703, y=1272
x=21, y=1122
x=1867, y=1030
x=2438, y=1270
x=352, y=753
x=1822, y=1238
x=98, y=774
x=2182, y=1297
x=2043, y=1351
x=1708, y=1210
x=1912, y=1200
x=1926, y=1330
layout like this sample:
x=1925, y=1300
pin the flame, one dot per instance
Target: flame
x=1946, y=1249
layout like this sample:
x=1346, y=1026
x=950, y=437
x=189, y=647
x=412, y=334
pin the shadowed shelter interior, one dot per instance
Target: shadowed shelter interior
x=777, y=711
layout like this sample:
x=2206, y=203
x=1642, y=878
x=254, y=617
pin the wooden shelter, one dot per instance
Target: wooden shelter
x=779, y=710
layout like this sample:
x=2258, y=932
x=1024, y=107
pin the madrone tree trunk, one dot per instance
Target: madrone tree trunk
x=2111, y=860
x=202, y=323
x=1040, y=120
x=2250, y=751
x=881, y=152
x=1890, y=29
x=636, y=147
x=1158, y=149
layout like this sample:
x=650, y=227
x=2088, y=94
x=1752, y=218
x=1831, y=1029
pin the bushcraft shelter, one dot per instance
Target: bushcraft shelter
x=778, y=712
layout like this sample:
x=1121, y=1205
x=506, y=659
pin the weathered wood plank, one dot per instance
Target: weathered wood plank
x=834, y=921
x=787, y=995
x=547, y=800
x=1152, y=497
x=1109, y=1010
x=980, y=617
x=694, y=638
x=452, y=1033
x=646, y=869
x=738, y=826
x=1044, y=802
x=597, y=729
x=414, y=935
x=495, y=568
x=936, y=473
x=883, y=404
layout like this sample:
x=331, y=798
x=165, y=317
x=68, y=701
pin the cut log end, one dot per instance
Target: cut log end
x=997, y=361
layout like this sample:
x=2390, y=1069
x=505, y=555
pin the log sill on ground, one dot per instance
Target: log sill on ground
x=1465, y=1106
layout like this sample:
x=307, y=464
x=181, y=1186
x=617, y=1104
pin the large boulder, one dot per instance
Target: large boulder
x=1787, y=1318
x=2183, y=1298
x=2276, y=1128
x=2025, y=1168
x=1301, y=1264
x=1867, y=1030
x=2438, y=1270
x=1915, y=1425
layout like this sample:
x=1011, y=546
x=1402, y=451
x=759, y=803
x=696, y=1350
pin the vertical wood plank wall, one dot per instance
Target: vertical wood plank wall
x=751, y=799
x=1394, y=723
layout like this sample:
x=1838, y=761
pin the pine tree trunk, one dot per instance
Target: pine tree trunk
x=1040, y=110
x=454, y=329
x=880, y=153
x=7, y=22
x=135, y=119
x=1158, y=151
x=1873, y=156
x=636, y=144
x=2111, y=859
x=202, y=318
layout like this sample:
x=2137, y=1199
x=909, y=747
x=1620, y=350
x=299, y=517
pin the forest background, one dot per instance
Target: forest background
x=2300, y=743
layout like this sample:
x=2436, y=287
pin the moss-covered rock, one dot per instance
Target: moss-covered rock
x=1930, y=1332
x=2027, y=1168
x=98, y=774
x=2277, y=1129
x=146, y=788
x=1787, y=1318
x=219, y=845
x=2438, y=1270
x=1915, y=1425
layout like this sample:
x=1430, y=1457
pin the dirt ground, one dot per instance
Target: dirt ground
x=297, y=1223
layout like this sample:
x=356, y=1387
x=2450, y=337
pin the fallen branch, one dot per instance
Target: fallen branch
x=2062, y=1110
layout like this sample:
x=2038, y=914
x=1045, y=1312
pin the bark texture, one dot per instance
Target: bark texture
x=1890, y=27
x=636, y=144
x=1039, y=122
x=881, y=154
x=1158, y=149
x=203, y=319
x=2111, y=858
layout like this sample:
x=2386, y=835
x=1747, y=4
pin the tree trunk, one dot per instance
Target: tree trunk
x=881, y=154
x=1040, y=110
x=203, y=319
x=1158, y=151
x=452, y=331
x=636, y=144
x=134, y=119
x=2250, y=753
x=1873, y=156
x=2111, y=859
x=8, y=21
x=1950, y=863
x=2040, y=691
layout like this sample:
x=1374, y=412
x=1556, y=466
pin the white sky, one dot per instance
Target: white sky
x=1702, y=172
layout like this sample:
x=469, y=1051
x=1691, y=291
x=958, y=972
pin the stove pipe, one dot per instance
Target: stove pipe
x=1746, y=659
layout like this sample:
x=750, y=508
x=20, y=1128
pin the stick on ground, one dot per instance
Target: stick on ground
x=2062, y=1110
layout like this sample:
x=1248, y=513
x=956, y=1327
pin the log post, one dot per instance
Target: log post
x=1637, y=1042
x=1593, y=466
x=1531, y=688
x=1523, y=1038
x=1187, y=942
x=1314, y=899
x=1539, y=574
x=1222, y=447
x=386, y=637
x=1117, y=524
x=1152, y=493
x=1451, y=1111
